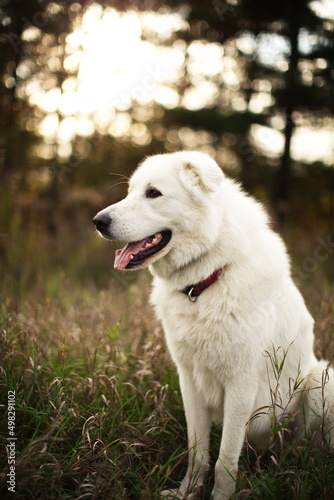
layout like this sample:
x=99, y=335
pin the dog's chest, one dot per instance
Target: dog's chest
x=202, y=335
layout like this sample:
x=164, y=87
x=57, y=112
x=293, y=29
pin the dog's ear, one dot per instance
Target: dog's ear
x=200, y=172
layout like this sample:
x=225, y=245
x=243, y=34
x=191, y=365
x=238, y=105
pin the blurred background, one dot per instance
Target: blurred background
x=87, y=89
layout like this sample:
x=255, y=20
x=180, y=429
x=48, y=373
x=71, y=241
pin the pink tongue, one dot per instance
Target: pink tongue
x=123, y=256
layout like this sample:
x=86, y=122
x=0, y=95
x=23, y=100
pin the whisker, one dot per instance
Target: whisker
x=117, y=184
x=123, y=180
x=120, y=175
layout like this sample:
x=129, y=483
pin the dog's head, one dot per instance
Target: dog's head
x=167, y=215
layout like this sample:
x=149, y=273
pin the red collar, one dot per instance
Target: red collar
x=194, y=291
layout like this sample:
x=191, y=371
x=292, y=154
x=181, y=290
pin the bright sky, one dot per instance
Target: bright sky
x=115, y=66
x=308, y=144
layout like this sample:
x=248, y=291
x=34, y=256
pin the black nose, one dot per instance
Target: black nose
x=102, y=222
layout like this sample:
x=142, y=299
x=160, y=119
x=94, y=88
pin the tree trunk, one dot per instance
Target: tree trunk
x=284, y=173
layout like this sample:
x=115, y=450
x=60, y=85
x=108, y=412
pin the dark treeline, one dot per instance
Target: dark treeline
x=282, y=81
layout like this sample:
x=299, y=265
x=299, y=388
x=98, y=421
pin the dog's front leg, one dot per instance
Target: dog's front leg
x=238, y=406
x=198, y=419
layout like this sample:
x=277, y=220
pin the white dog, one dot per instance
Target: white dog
x=236, y=326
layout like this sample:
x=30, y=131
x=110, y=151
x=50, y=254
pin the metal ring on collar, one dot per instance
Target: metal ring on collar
x=191, y=297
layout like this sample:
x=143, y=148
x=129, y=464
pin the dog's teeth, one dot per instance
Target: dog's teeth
x=154, y=240
x=131, y=257
x=147, y=245
x=157, y=235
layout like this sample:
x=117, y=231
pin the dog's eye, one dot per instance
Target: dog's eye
x=153, y=193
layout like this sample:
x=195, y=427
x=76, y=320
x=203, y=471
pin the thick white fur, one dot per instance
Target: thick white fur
x=225, y=345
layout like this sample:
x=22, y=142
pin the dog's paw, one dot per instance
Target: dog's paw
x=171, y=494
x=178, y=495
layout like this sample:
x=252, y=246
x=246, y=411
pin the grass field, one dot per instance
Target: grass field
x=98, y=413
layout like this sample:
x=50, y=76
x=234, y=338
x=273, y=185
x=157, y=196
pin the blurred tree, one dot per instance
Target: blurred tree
x=288, y=52
x=310, y=43
x=25, y=26
x=31, y=58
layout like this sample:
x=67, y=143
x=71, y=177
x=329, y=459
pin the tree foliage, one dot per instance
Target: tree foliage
x=273, y=76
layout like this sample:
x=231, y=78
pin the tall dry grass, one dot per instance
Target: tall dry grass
x=98, y=407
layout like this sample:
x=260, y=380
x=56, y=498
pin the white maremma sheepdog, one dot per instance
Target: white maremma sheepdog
x=236, y=326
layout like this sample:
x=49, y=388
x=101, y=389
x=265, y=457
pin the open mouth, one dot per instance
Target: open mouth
x=135, y=254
